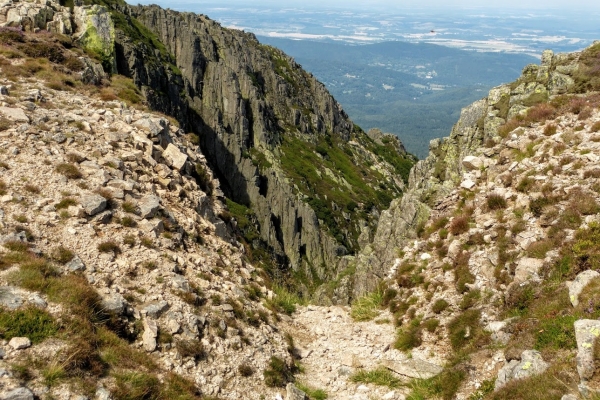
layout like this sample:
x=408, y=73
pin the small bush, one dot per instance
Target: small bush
x=462, y=273
x=431, y=324
x=147, y=242
x=525, y=185
x=470, y=299
x=32, y=189
x=284, y=301
x=592, y=173
x=409, y=337
x=459, y=225
x=129, y=207
x=595, y=127
x=109, y=246
x=540, y=113
x=540, y=248
x=585, y=203
x=65, y=203
x=129, y=240
x=550, y=130
x=62, y=255
x=496, y=202
x=68, y=170
x=75, y=158
x=380, y=376
x=128, y=222
x=2, y=187
x=16, y=245
x=190, y=348
x=245, y=370
x=278, y=373
x=463, y=328
x=439, y=306
x=22, y=218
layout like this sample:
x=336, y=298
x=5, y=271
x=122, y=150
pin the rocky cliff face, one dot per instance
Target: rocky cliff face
x=476, y=132
x=255, y=111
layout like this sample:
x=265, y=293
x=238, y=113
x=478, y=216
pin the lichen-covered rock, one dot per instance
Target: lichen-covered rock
x=96, y=32
x=531, y=363
x=587, y=332
x=579, y=283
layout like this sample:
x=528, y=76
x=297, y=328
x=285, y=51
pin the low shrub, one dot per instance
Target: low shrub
x=109, y=246
x=540, y=248
x=278, y=373
x=190, y=348
x=439, y=305
x=550, y=130
x=245, y=370
x=284, y=301
x=409, y=337
x=65, y=203
x=68, y=170
x=431, y=324
x=464, y=328
x=62, y=255
x=459, y=225
x=496, y=202
x=129, y=207
x=470, y=299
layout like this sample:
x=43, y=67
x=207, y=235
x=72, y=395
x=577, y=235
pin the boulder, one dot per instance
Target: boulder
x=14, y=114
x=21, y=393
x=580, y=282
x=148, y=206
x=19, y=343
x=472, y=163
x=150, y=335
x=586, y=334
x=531, y=363
x=75, y=264
x=10, y=298
x=114, y=302
x=93, y=203
x=527, y=268
x=154, y=310
x=174, y=157
x=413, y=368
x=293, y=393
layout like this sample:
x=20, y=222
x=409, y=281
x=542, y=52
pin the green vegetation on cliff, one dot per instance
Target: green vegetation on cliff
x=340, y=183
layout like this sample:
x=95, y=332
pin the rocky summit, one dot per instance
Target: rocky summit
x=185, y=213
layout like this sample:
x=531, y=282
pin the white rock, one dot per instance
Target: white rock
x=19, y=343
x=467, y=184
x=174, y=157
x=150, y=335
x=527, y=268
x=14, y=114
x=472, y=163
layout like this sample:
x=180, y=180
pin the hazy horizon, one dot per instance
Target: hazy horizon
x=436, y=5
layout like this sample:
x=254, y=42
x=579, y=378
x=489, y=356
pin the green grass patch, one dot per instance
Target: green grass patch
x=367, y=307
x=311, y=392
x=31, y=322
x=284, y=301
x=380, y=376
